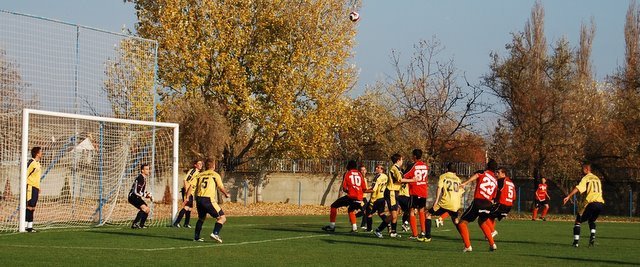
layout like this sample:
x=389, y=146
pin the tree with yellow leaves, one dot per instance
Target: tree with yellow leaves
x=277, y=70
x=130, y=77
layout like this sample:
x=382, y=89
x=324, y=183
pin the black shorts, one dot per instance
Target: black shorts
x=391, y=198
x=136, y=201
x=190, y=201
x=417, y=202
x=205, y=206
x=479, y=208
x=590, y=213
x=405, y=203
x=35, y=193
x=440, y=211
x=345, y=201
x=377, y=206
x=538, y=203
x=500, y=211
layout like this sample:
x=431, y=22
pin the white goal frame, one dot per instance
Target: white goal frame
x=25, y=151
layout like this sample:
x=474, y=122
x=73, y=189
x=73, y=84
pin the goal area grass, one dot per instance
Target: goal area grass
x=299, y=240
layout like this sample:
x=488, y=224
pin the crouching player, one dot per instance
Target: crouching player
x=448, y=197
x=354, y=185
x=137, y=193
x=504, y=197
x=208, y=183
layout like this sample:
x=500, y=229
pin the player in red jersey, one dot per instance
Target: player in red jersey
x=417, y=178
x=504, y=197
x=542, y=200
x=481, y=206
x=354, y=185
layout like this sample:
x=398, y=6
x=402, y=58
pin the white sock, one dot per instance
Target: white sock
x=576, y=237
x=332, y=224
x=29, y=224
x=354, y=227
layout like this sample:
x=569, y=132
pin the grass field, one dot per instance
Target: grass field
x=300, y=241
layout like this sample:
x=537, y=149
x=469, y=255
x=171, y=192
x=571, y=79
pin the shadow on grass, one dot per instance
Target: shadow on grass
x=385, y=245
x=143, y=234
x=618, y=238
x=592, y=261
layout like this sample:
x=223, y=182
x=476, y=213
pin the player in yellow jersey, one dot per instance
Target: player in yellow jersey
x=448, y=197
x=34, y=173
x=593, y=203
x=377, y=202
x=188, y=188
x=208, y=183
x=392, y=191
x=404, y=203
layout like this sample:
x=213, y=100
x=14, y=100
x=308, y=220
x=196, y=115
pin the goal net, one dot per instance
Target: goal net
x=51, y=65
x=88, y=166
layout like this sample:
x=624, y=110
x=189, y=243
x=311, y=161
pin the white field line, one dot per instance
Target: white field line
x=168, y=248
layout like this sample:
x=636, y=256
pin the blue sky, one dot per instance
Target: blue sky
x=468, y=29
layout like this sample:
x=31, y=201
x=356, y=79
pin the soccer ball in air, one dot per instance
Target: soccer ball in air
x=354, y=16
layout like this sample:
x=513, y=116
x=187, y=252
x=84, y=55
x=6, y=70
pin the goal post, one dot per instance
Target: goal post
x=84, y=191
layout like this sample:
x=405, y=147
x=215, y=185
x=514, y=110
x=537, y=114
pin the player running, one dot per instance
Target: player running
x=418, y=188
x=137, y=193
x=188, y=188
x=481, y=206
x=34, y=173
x=542, y=200
x=593, y=204
x=504, y=197
x=354, y=185
x=448, y=197
x=207, y=185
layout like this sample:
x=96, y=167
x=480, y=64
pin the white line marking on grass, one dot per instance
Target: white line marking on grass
x=167, y=248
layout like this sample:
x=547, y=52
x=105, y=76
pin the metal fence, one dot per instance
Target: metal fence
x=620, y=186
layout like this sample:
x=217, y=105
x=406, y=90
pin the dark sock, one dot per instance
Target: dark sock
x=143, y=219
x=576, y=233
x=365, y=219
x=216, y=228
x=592, y=227
x=198, y=229
x=138, y=217
x=179, y=218
x=394, y=226
x=29, y=216
x=405, y=217
x=383, y=224
x=369, y=223
x=428, y=222
x=187, y=217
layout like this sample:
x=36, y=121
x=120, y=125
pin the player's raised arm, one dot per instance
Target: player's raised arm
x=471, y=179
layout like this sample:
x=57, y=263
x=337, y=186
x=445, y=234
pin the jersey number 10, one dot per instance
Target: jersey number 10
x=355, y=180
